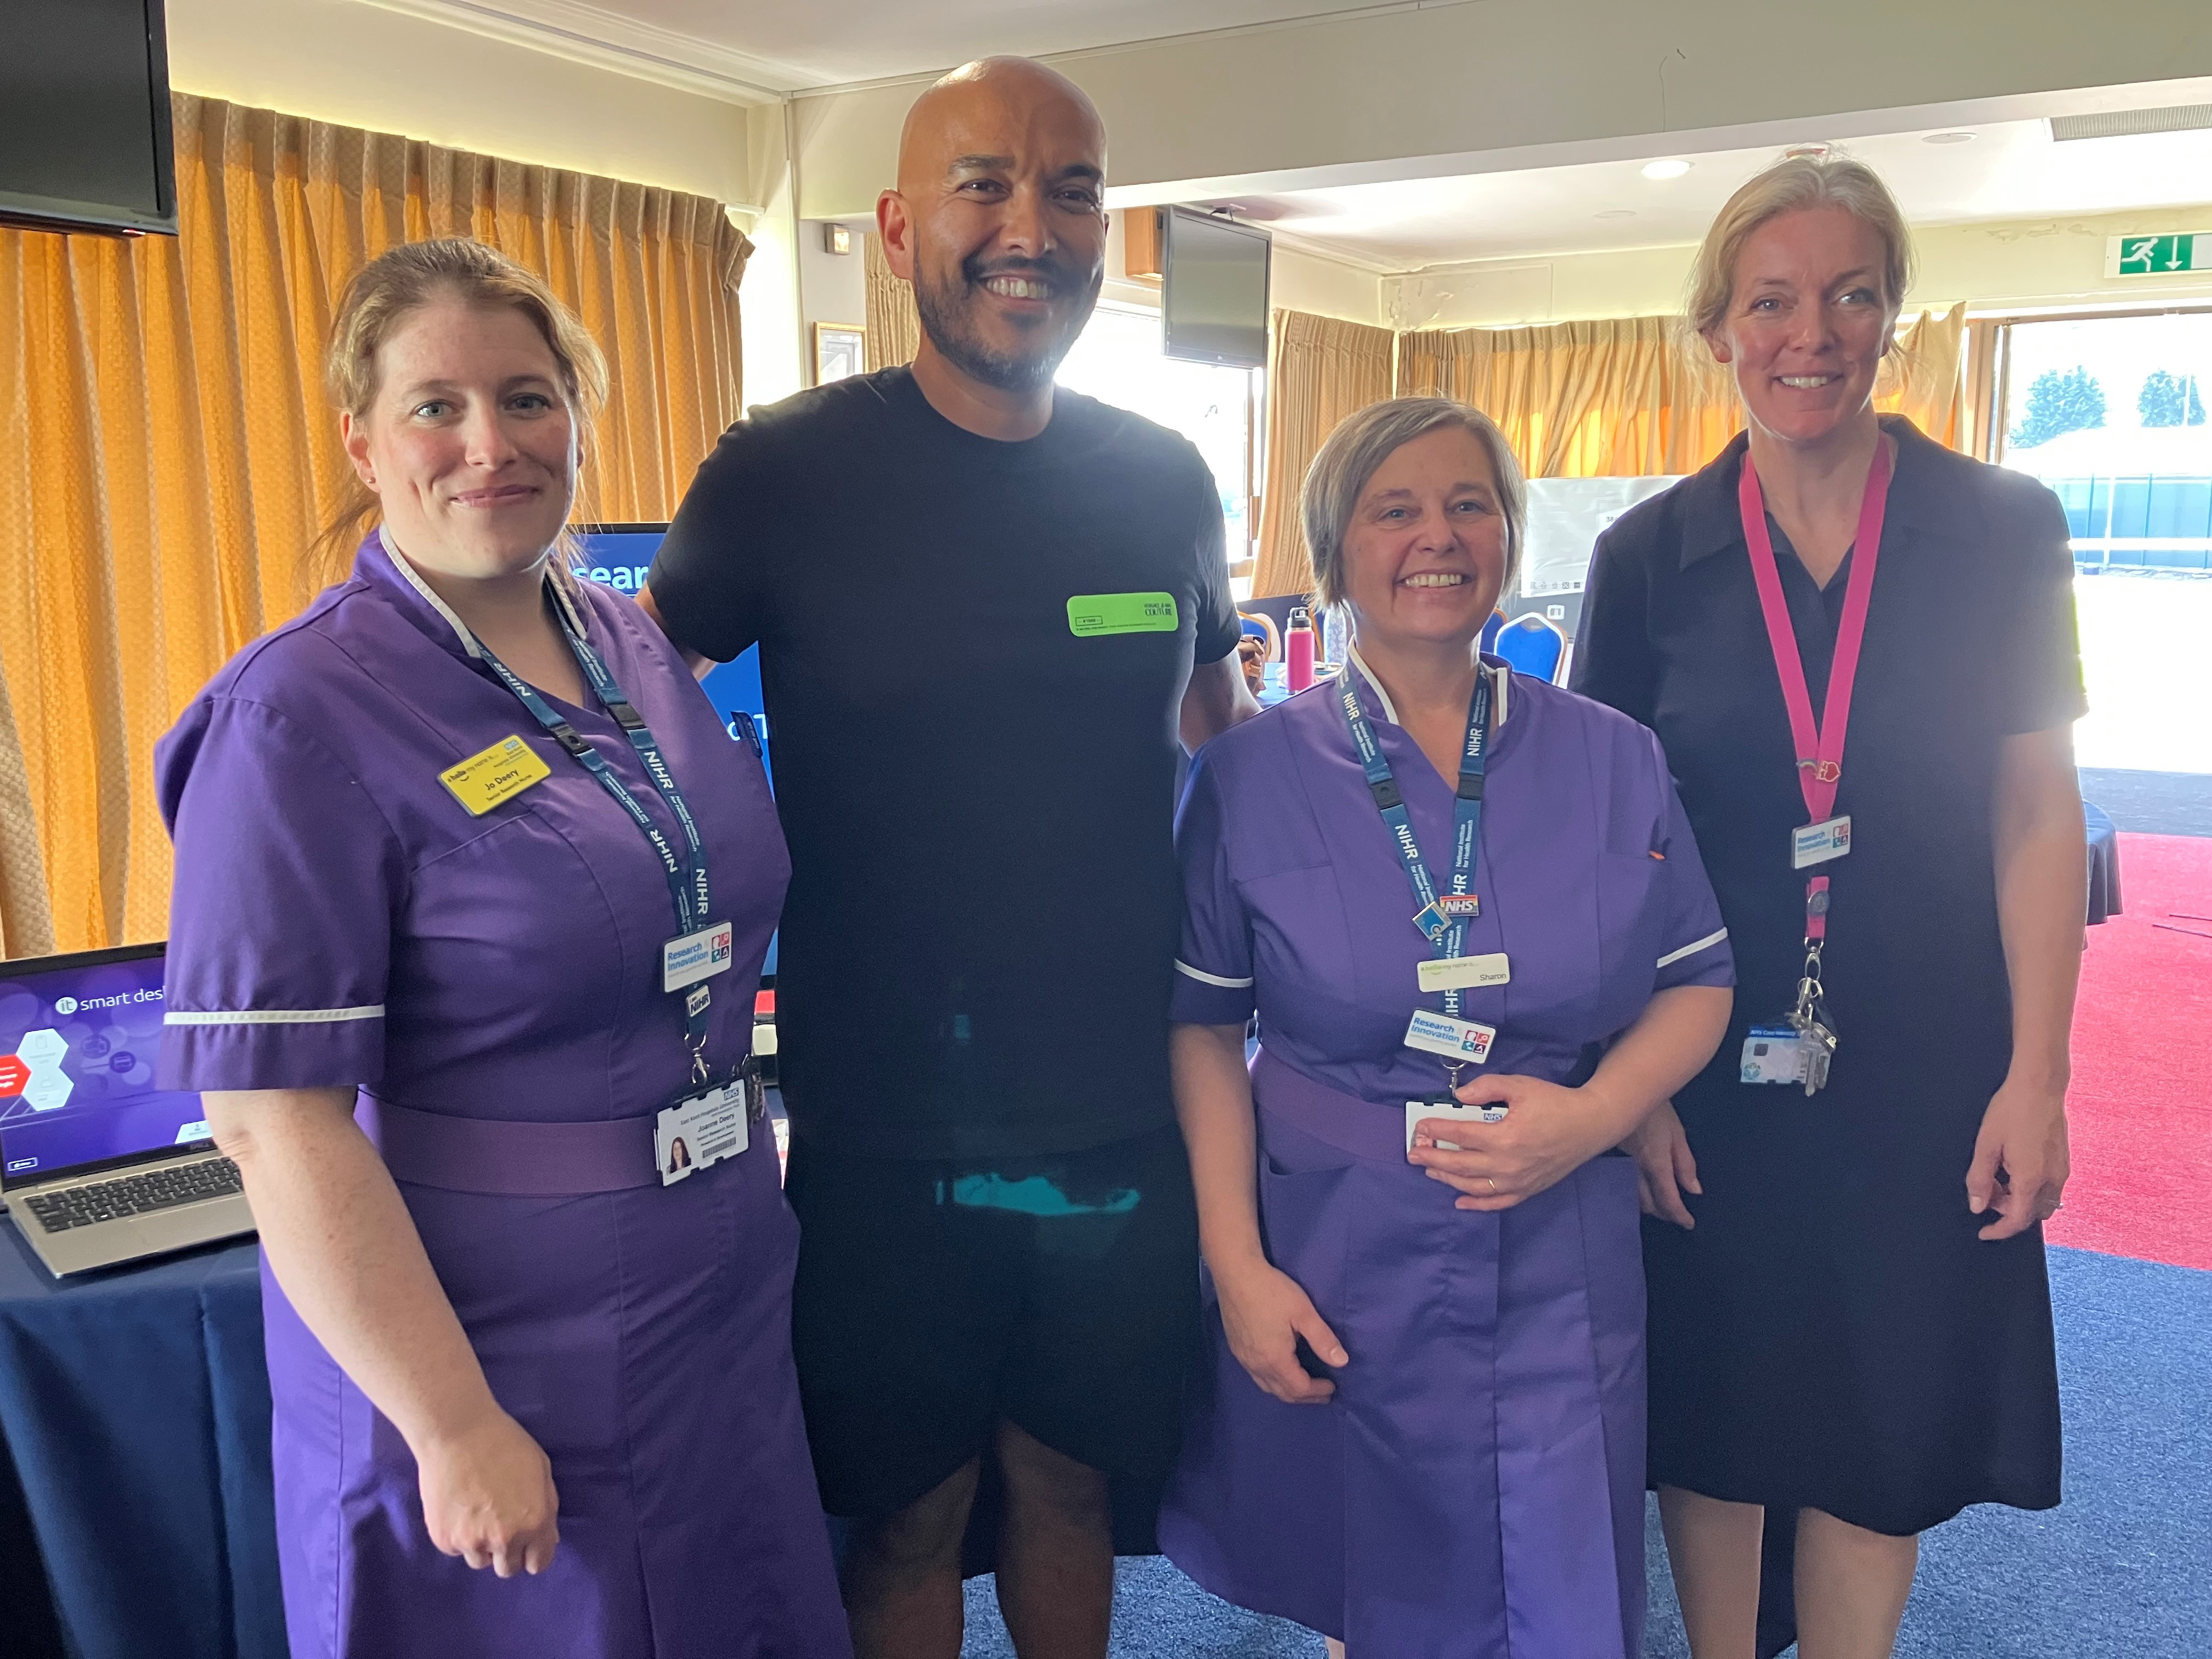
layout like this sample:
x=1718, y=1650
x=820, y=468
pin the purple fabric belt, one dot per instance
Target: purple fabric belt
x=1346, y=1122
x=512, y=1159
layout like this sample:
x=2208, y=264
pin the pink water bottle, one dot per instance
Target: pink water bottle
x=1298, y=649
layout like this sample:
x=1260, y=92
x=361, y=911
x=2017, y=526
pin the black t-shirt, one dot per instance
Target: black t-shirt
x=1970, y=640
x=976, y=771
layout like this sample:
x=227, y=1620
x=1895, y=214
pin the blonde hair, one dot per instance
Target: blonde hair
x=1361, y=443
x=381, y=296
x=1794, y=183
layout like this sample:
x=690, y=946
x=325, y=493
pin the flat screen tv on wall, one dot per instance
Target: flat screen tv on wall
x=1214, y=290
x=84, y=116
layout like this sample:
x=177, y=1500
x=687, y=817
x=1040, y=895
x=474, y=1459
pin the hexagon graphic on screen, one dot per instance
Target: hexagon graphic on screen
x=48, y=1087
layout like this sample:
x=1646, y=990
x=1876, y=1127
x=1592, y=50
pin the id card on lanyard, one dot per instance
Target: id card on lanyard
x=709, y=1123
x=1824, y=836
x=1443, y=916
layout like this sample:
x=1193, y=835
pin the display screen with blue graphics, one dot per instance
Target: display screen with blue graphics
x=617, y=555
x=77, y=1046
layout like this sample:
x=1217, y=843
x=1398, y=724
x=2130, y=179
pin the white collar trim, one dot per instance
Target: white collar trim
x=560, y=598
x=1501, y=681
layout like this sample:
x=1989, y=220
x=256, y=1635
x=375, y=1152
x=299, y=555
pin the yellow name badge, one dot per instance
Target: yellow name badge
x=501, y=773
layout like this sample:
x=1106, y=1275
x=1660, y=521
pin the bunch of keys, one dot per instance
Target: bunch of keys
x=1816, y=1039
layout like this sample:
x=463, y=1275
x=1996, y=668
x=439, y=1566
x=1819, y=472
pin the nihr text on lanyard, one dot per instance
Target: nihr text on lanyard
x=1819, y=749
x=687, y=872
x=1443, y=917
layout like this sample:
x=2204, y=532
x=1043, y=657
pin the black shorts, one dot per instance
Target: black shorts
x=935, y=1298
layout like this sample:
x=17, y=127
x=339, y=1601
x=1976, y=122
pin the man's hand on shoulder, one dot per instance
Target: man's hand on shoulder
x=692, y=660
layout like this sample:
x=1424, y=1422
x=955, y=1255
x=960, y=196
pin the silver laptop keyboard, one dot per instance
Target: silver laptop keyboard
x=134, y=1194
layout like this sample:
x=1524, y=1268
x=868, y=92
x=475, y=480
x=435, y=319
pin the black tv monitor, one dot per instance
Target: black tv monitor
x=1214, y=290
x=84, y=116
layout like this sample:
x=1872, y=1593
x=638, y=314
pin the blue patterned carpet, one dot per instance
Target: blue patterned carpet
x=2121, y=1571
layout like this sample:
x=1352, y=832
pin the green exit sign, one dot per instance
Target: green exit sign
x=2158, y=256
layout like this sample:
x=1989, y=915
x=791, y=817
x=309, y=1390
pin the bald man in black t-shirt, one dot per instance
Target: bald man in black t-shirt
x=986, y=611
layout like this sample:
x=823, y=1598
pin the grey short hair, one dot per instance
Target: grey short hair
x=1793, y=183
x=1361, y=443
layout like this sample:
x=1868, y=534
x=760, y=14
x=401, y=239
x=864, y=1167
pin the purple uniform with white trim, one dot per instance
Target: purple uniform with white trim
x=339, y=919
x=1476, y=1485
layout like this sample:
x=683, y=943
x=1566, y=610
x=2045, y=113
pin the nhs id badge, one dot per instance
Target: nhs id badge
x=694, y=957
x=703, y=1130
x=1463, y=1040
x=1450, y=1107
x=1773, y=1053
x=1817, y=844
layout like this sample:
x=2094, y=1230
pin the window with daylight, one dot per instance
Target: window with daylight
x=1121, y=360
x=2111, y=413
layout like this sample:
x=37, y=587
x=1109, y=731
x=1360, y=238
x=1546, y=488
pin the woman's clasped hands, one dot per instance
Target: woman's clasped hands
x=1548, y=1132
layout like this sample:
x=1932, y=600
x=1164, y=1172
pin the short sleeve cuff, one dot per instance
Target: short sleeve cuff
x=273, y=1048
x=1201, y=998
x=1704, y=961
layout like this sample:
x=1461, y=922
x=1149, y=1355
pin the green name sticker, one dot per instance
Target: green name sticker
x=1089, y=615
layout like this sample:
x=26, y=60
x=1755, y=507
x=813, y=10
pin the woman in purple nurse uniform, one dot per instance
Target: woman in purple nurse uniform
x=1442, y=886
x=422, y=942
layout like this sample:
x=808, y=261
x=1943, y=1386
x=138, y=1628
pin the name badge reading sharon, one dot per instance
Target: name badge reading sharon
x=1090, y=616
x=1816, y=843
x=1465, y=973
x=500, y=773
x=1464, y=1040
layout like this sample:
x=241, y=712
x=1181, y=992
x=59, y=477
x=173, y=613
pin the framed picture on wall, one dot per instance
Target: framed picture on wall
x=838, y=351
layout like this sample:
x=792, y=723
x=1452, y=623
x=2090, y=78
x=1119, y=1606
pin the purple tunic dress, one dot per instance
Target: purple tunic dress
x=1475, y=1487
x=338, y=919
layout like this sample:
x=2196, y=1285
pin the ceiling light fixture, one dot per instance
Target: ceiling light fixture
x=1617, y=213
x=1947, y=138
x=1673, y=168
x=1797, y=151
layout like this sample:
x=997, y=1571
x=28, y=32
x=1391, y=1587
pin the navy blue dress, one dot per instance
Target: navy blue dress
x=1834, y=1335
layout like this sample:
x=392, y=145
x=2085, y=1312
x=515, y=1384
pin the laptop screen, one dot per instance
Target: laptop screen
x=77, y=1045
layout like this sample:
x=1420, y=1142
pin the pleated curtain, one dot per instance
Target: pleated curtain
x=1320, y=369
x=166, y=453
x=1639, y=396
x=894, y=327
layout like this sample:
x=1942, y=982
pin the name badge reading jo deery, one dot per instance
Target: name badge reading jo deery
x=1091, y=614
x=500, y=773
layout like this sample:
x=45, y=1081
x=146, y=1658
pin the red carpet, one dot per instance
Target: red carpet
x=2140, y=1112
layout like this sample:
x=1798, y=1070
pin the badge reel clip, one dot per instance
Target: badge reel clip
x=1800, y=1047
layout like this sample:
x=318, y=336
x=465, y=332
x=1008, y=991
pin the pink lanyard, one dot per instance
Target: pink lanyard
x=1819, y=749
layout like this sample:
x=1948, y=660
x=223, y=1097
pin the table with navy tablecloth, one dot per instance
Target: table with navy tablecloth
x=133, y=1413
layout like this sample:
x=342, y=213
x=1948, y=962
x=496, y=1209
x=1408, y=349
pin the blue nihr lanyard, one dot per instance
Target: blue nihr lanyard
x=1447, y=934
x=687, y=875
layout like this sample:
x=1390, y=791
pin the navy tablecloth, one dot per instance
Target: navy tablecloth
x=134, y=1408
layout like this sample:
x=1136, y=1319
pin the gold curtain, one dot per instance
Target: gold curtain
x=166, y=454
x=1319, y=370
x=894, y=334
x=1637, y=396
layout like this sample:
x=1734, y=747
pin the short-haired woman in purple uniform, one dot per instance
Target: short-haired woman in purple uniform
x=471, y=891
x=1448, y=891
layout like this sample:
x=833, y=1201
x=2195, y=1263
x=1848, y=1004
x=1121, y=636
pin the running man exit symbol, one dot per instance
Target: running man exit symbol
x=2157, y=256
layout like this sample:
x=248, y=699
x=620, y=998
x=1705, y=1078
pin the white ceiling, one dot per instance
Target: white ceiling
x=805, y=44
x=2008, y=170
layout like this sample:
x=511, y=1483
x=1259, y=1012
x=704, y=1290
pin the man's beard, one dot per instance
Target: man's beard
x=947, y=318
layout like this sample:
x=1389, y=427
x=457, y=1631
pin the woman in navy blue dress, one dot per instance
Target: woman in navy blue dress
x=1855, y=1335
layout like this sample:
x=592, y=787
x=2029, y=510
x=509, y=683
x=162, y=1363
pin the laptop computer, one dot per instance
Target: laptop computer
x=97, y=1166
